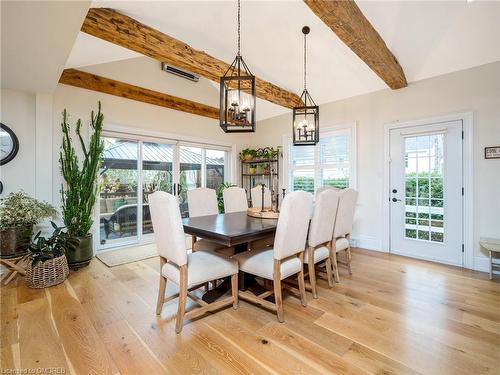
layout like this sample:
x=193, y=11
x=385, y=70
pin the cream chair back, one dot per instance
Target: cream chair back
x=323, y=220
x=256, y=195
x=293, y=223
x=323, y=188
x=235, y=199
x=167, y=226
x=345, y=213
x=202, y=202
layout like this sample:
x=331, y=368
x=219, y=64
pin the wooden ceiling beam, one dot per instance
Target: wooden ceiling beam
x=347, y=21
x=94, y=82
x=117, y=28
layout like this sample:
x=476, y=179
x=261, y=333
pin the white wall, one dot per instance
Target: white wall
x=476, y=90
x=18, y=113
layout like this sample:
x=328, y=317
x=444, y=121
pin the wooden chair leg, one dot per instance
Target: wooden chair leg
x=193, y=241
x=277, y=290
x=329, y=271
x=302, y=286
x=349, y=258
x=182, y=298
x=234, y=289
x=335, y=265
x=312, y=271
x=161, y=289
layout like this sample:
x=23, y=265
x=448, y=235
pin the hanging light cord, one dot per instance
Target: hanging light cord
x=305, y=62
x=238, y=27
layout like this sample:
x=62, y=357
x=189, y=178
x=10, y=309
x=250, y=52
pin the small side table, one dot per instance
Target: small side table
x=14, y=266
x=492, y=245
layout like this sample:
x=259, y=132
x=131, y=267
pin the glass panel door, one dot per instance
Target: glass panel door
x=190, y=176
x=214, y=161
x=157, y=175
x=118, y=194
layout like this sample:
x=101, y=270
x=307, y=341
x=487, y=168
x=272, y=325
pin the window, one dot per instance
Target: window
x=133, y=167
x=330, y=163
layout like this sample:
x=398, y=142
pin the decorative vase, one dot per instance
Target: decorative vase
x=48, y=273
x=252, y=170
x=82, y=255
x=15, y=241
x=248, y=157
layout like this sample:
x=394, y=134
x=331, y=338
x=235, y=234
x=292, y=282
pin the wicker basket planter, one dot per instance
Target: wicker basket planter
x=48, y=273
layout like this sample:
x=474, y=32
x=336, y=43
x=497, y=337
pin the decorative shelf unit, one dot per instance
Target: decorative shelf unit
x=260, y=170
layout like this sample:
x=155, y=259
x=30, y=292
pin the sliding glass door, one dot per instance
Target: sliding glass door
x=131, y=170
x=119, y=177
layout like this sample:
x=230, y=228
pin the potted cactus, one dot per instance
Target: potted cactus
x=80, y=188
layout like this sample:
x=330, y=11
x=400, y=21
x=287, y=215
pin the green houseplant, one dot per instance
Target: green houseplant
x=48, y=264
x=80, y=188
x=18, y=214
x=248, y=154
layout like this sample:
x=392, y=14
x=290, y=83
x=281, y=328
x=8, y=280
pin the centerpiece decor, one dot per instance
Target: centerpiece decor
x=305, y=125
x=18, y=214
x=48, y=264
x=80, y=188
x=237, y=95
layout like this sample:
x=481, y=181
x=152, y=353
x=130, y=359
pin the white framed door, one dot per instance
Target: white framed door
x=426, y=192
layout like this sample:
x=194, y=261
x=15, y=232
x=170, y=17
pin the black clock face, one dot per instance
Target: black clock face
x=9, y=144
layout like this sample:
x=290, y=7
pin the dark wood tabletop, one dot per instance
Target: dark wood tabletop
x=229, y=229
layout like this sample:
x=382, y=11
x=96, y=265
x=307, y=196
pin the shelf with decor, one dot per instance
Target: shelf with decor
x=260, y=166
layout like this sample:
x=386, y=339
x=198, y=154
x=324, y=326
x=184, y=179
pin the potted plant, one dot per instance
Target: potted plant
x=48, y=264
x=80, y=188
x=18, y=214
x=248, y=154
x=252, y=169
x=266, y=168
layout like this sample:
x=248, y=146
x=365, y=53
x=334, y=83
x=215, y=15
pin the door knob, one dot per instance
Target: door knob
x=396, y=200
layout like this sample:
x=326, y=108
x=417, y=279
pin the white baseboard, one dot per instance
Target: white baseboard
x=367, y=242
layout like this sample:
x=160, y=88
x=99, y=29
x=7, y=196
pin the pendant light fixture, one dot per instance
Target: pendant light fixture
x=305, y=124
x=237, y=95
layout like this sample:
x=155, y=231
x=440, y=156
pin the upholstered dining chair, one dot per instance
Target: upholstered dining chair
x=343, y=228
x=286, y=257
x=256, y=196
x=203, y=202
x=323, y=188
x=188, y=271
x=235, y=199
x=319, y=239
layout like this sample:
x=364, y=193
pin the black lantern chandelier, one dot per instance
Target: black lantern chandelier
x=305, y=118
x=237, y=95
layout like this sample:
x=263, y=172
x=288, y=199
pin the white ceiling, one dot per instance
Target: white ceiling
x=428, y=38
x=37, y=38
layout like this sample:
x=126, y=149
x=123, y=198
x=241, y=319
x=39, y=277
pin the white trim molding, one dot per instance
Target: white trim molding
x=467, y=119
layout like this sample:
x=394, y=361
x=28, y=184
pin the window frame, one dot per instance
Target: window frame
x=349, y=128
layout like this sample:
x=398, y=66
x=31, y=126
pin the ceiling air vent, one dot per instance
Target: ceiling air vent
x=179, y=72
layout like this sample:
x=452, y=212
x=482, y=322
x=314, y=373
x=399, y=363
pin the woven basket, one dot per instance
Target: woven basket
x=48, y=273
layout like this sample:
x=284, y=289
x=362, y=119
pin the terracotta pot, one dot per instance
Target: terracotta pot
x=82, y=255
x=15, y=241
x=248, y=157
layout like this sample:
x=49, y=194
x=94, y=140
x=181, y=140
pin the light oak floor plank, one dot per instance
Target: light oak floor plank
x=394, y=315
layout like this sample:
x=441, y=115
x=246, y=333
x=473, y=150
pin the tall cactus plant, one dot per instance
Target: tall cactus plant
x=80, y=188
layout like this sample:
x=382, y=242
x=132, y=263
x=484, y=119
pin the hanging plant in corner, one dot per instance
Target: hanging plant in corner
x=80, y=188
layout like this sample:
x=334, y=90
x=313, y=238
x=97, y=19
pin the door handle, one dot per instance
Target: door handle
x=396, y=200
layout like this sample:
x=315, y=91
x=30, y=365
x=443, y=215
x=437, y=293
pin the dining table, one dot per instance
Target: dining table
x=235, y=229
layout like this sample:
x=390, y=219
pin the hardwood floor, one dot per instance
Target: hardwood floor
x=394, y=315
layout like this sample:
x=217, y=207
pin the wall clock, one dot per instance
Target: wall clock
x=9, y=144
